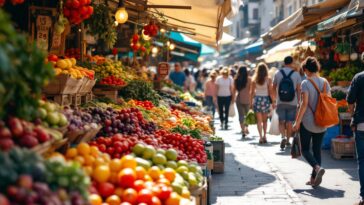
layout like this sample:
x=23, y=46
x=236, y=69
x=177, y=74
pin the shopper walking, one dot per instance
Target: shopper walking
x=210, y=93
x=355, y=99
x=190, y=82
x=287, y=85
x=224, y=87
x=242, y=84
x=311, y=135
x=177, y=76
x=261, y=93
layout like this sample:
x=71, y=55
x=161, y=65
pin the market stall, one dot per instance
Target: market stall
x=78, y=126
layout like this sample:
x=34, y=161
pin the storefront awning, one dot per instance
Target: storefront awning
x=344, y=18
x=280, y=51
x=303, y=18
x=179, y=37
x=204, y=21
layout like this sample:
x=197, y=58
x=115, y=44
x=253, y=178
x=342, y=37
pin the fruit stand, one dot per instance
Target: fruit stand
x=79, y=131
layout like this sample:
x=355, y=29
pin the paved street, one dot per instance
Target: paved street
x=256, y=174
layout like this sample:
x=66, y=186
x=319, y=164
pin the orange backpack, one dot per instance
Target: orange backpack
x=326, y=114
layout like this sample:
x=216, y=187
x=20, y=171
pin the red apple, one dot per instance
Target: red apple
x=4, y=200
x=25, y=181
x=6, y=144
x=42, y=136
x=28, y=141
x=5, y=133
x=16, y=127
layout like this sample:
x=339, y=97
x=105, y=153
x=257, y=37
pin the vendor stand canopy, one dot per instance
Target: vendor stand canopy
x=203, y=22
x=307, y=16
x=286, y=48
x=345, y=18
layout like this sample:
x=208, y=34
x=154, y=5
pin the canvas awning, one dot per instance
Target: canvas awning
x=344, y=18
x=303, y=18
x=204, y=21
x=280, y=51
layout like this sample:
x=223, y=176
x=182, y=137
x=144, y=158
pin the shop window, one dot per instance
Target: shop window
x=255, y=14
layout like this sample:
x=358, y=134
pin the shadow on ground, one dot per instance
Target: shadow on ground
x=321, y=193
x=237, y=179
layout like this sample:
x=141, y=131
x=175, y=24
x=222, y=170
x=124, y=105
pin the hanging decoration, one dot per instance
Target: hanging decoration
x=78, y=10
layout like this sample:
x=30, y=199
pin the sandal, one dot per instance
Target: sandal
x=311, y=182
x=265, y=140
x=261, y=141
x=318, y=178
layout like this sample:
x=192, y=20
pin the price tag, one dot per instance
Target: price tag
x=43, y=24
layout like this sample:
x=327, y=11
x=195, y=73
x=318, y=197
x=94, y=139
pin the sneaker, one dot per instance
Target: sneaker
x=283, y=143
x=318, y=178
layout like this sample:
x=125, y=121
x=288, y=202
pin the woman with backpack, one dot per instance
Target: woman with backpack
x=242, y=84
x=261, y=93
x=311, y=131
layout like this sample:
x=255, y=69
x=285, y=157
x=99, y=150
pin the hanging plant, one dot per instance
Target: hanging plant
x=101, y=24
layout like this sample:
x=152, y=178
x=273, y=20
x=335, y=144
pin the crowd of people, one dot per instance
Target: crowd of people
x=293, y=92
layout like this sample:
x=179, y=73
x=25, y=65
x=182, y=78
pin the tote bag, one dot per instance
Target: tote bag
x=274, y=125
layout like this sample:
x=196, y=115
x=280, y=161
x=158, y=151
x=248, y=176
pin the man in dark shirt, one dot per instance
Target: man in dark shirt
x=355, y=99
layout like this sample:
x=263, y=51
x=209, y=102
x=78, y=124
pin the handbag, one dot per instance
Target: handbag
x=296, y=151
x=274, y=125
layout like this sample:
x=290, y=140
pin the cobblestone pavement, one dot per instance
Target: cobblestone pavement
x=256, y=175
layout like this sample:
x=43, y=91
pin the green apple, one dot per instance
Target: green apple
x=171, y=154
x=159, y=159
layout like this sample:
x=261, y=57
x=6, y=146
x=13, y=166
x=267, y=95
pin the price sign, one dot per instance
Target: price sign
x=43, y=25
x=163, y=69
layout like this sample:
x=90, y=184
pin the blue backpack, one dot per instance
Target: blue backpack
x=286, y=89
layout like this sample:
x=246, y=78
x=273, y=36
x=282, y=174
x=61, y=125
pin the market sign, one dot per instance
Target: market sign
x=163, y=70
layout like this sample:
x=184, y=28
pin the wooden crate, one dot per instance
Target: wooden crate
x=86, y=86
x=63, y=100
x=343, y=148
x=218, y=151
x=106, y=93
x=219, y=167
x=200, y=194
x=76, y=100
x=86, y=98
x=63, y=84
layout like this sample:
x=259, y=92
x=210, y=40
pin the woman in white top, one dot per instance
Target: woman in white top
x=261, y=93
x=190, y=83
x=224, y=87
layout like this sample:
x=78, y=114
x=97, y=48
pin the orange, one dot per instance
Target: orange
x=101, y=173
x=95, y=199
x=154, y=172
x=94, y=151
x=127, y=177
x=130, y=195
x=113, y=200
x=80, y=160
x=119, y=192
x=128, y=162
x=106, y=157
x=89, y=160
x=169, y=174
x=83, y=148
x=71, y=153
x=174, y=199
x=148, y=178
x=115, y=165
x=140, y=172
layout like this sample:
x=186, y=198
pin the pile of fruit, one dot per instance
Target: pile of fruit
x=126, y=121
x=79, y=120
x=73, y=53
x=68, y=66
x=77, y=10
x=109, y=68
x=112, y=80
x=151, y=29
x=21, y=133
x=26, y=178
x=127, y=180
x=148, y=105
x=50, y=115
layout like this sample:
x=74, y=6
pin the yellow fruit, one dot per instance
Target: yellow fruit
x=65, y=72
x=174, y=199
x=113, y=200
x=88, y=170
x=154, y=172
x=83, y=149
x=169, y=174
x=94, y=151
x=140, y=172
x=80, y=159
x=101, y=173
x=186, y=194
x=73, y=61
x=128, y=162
x=99, y=161
x=95, y=199
x=89, y=160
x=71, y=153
x=69, y=63
x=58, y=71
x=115, y=165
x=62, y=64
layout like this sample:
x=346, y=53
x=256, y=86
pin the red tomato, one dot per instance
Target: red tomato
x=139, y=185
x=145, y=196
x=156, y=201
x=106, y=189
x=53, y=58
x=130, y=195
x=127, y=178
